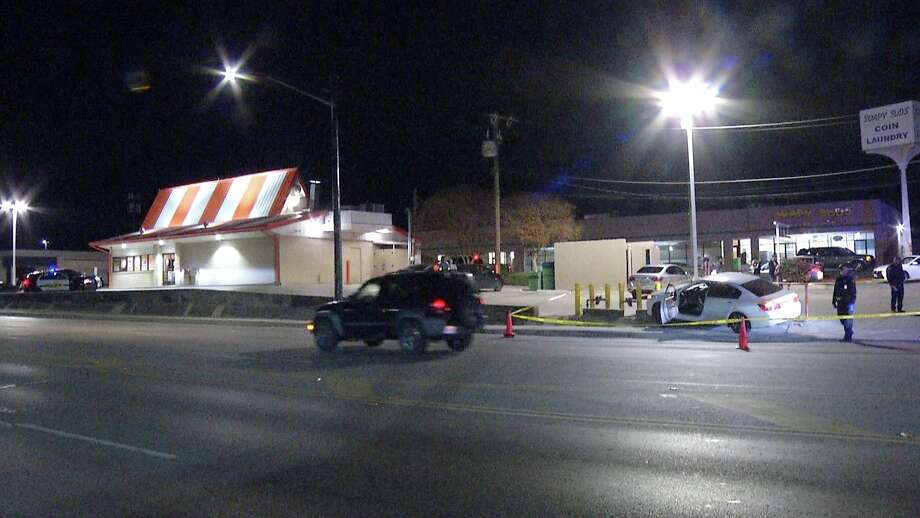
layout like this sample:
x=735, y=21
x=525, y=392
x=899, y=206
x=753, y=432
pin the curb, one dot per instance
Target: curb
x=264, y=322
x=254, y=322
x=575, y=332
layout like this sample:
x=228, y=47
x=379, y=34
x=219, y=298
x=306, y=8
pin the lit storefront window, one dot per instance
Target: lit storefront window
x=860, y=242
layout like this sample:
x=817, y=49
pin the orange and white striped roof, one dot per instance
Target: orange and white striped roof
x=251, y=196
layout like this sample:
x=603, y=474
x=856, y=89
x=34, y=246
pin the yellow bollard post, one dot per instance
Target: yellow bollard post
x=658, y=286
x=577, y=300
x=591, y=296
x=622, y=293
x=607, y=295
x=638, y=299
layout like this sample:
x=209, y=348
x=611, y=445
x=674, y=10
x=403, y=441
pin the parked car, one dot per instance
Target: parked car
x=416, y=268
x=59, y=280
x=834, y=257
x=413, y=308
x=910, y=263
x=650, y=275
x=727, y=295
x=483, y=276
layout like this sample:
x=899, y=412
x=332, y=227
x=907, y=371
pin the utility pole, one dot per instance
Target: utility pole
x=409, y=240
x=490, y=149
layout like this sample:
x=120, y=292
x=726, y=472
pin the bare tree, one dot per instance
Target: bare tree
x=536, y=221
x=457, y=218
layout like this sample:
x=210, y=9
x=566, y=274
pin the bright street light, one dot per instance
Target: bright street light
x=231, y=74
x=16, y=207
x=685, y=100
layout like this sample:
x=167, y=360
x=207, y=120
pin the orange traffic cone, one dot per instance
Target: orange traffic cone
x=742, y=335
x=509, y=327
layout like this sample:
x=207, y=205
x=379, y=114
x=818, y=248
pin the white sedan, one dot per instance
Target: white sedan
x=653, y=277
x=727, y=295
x=910, y=263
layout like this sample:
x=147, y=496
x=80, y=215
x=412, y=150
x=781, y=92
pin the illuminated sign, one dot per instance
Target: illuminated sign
x=888, y=126
x=804, y=213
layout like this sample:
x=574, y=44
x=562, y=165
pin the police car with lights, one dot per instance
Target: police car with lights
x=59, y=280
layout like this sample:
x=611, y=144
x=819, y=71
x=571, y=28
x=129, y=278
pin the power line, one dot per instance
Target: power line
x=776, y=124
x=740, y=180
x=626, y=194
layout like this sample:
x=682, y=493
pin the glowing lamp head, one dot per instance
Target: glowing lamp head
x=231, y=73
x=685, y=100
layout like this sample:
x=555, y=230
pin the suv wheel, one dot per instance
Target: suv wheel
x=461, y=341
x=325, y=336
x=411, y=338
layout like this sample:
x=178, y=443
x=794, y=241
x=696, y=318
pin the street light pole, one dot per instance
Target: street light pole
x=685, y=100
x=15, y=217
x=231, y=74
x=688, y=125
x=15, y=208
x=336, y=197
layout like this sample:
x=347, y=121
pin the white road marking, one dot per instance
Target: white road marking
x=101, y=442
x=8, y=386
x=557, y=297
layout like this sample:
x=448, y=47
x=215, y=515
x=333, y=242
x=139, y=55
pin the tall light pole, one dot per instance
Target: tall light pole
x=232, y=74
x=686, y=100
x=15, y=208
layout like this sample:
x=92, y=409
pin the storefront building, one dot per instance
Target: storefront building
x=255, y=229
x=866, y=227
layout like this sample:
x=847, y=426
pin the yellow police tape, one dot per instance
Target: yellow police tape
x=723, y=321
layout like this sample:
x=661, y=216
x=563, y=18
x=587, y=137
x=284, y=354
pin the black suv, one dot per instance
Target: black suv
x=835, y=257
x=411, y=307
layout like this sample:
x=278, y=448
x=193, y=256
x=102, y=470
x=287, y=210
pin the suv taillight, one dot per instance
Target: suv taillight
x=439, y=305
x=26, y=283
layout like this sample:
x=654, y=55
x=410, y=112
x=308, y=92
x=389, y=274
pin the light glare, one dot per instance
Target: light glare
x=687, y=99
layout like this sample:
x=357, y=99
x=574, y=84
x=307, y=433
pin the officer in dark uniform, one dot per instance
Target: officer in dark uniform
x=845, y=300
x=895, y=275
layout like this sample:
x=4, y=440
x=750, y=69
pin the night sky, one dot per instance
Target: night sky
x=100, y=104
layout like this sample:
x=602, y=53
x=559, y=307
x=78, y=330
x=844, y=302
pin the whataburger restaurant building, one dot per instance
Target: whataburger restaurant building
x=254, y=229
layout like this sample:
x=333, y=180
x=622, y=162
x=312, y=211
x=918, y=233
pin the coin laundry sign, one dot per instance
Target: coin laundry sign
x=889, y=126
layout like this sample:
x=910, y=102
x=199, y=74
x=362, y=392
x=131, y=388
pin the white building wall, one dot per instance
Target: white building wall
x=306, y=260
x=227, y=262
x=388, y=260
x=590, y=262
x=638, y=251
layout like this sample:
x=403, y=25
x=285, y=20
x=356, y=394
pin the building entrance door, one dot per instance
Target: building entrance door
x=169, y=269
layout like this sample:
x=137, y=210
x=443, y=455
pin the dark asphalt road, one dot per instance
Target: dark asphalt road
x=122, y=418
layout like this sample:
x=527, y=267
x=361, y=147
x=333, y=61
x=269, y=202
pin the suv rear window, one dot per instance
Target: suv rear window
x=649, y=269
x=761, y=287
x=423, y=287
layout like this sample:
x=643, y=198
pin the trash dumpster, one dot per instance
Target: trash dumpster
x=548, y=276
x=533, y=281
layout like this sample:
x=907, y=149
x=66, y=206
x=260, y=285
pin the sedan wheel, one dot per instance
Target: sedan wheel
x=325, y=336
x=411, y=338
x=736, y=326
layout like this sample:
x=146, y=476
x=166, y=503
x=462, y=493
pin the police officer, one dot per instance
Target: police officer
x=845, y=300
x=895, y=275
